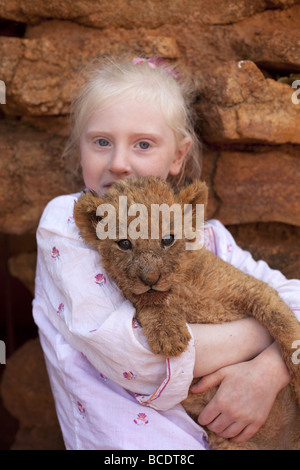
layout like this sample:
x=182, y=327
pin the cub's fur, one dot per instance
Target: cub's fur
x=170, y=286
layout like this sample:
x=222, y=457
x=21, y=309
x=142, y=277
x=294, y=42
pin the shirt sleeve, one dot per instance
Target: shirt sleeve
x=87, y=308
x=220, y=241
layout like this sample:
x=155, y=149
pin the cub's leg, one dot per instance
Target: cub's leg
x=270, y=310
x=241, y=295
x=166, y=331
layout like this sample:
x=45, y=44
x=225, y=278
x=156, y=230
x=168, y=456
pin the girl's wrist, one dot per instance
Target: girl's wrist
x=273, y=367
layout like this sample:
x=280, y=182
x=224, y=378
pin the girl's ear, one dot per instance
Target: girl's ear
x=85, y=217
x=182, y=151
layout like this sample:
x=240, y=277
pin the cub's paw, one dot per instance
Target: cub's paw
x=169, y=343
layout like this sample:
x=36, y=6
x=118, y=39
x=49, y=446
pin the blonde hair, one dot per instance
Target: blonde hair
x=111, y=80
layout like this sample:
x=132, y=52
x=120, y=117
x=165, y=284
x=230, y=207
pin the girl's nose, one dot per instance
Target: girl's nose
x=120, y=162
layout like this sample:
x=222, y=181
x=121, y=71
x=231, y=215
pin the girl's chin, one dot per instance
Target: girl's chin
x=103, y=189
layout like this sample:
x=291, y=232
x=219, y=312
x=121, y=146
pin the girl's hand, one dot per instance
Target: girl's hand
x=245, y=395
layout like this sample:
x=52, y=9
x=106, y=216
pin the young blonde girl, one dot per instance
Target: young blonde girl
x=134, y=118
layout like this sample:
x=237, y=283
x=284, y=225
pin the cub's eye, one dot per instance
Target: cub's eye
x=124, y=244
x=167, y=240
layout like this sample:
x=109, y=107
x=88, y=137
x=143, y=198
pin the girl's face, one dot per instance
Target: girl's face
x=129, y=138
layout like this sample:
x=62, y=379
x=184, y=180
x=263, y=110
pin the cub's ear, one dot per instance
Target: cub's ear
x=194, y=193
x=85, y=217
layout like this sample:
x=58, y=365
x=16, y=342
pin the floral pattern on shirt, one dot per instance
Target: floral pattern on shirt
x=141, y=419
x=100, y=279
x=55, y=253
x=81, y=409
x=129, y=375
x=60, y=310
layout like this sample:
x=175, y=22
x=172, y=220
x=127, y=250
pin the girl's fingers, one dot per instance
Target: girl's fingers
x=233, y=430
x=246, y=434
x=207, y=382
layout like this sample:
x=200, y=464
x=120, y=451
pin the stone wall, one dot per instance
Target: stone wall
x=244, y=55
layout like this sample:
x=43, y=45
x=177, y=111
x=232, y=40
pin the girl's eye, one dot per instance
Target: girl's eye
x=143, y=145
x=102, y=142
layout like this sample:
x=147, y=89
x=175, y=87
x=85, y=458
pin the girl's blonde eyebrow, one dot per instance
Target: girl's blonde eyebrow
x=134, y=134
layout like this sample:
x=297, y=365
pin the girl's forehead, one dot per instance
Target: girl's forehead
x=129, y=104
x=129, y=111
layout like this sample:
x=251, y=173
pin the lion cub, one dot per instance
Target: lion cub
x=170, y=285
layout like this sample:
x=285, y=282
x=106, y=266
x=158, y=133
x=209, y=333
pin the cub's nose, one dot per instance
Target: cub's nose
x=150, y=279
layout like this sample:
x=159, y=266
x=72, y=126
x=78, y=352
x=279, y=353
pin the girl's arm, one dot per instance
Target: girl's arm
x=228, y=343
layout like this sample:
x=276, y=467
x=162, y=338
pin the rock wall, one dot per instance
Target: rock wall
x=245, y=57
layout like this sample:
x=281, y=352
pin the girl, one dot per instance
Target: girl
x=133, y=118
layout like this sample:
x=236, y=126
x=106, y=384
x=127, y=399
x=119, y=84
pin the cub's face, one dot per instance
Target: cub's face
x=144, y=269
x=139, y=236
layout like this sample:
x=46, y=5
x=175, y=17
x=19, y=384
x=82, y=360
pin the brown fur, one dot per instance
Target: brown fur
x=194, y=286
